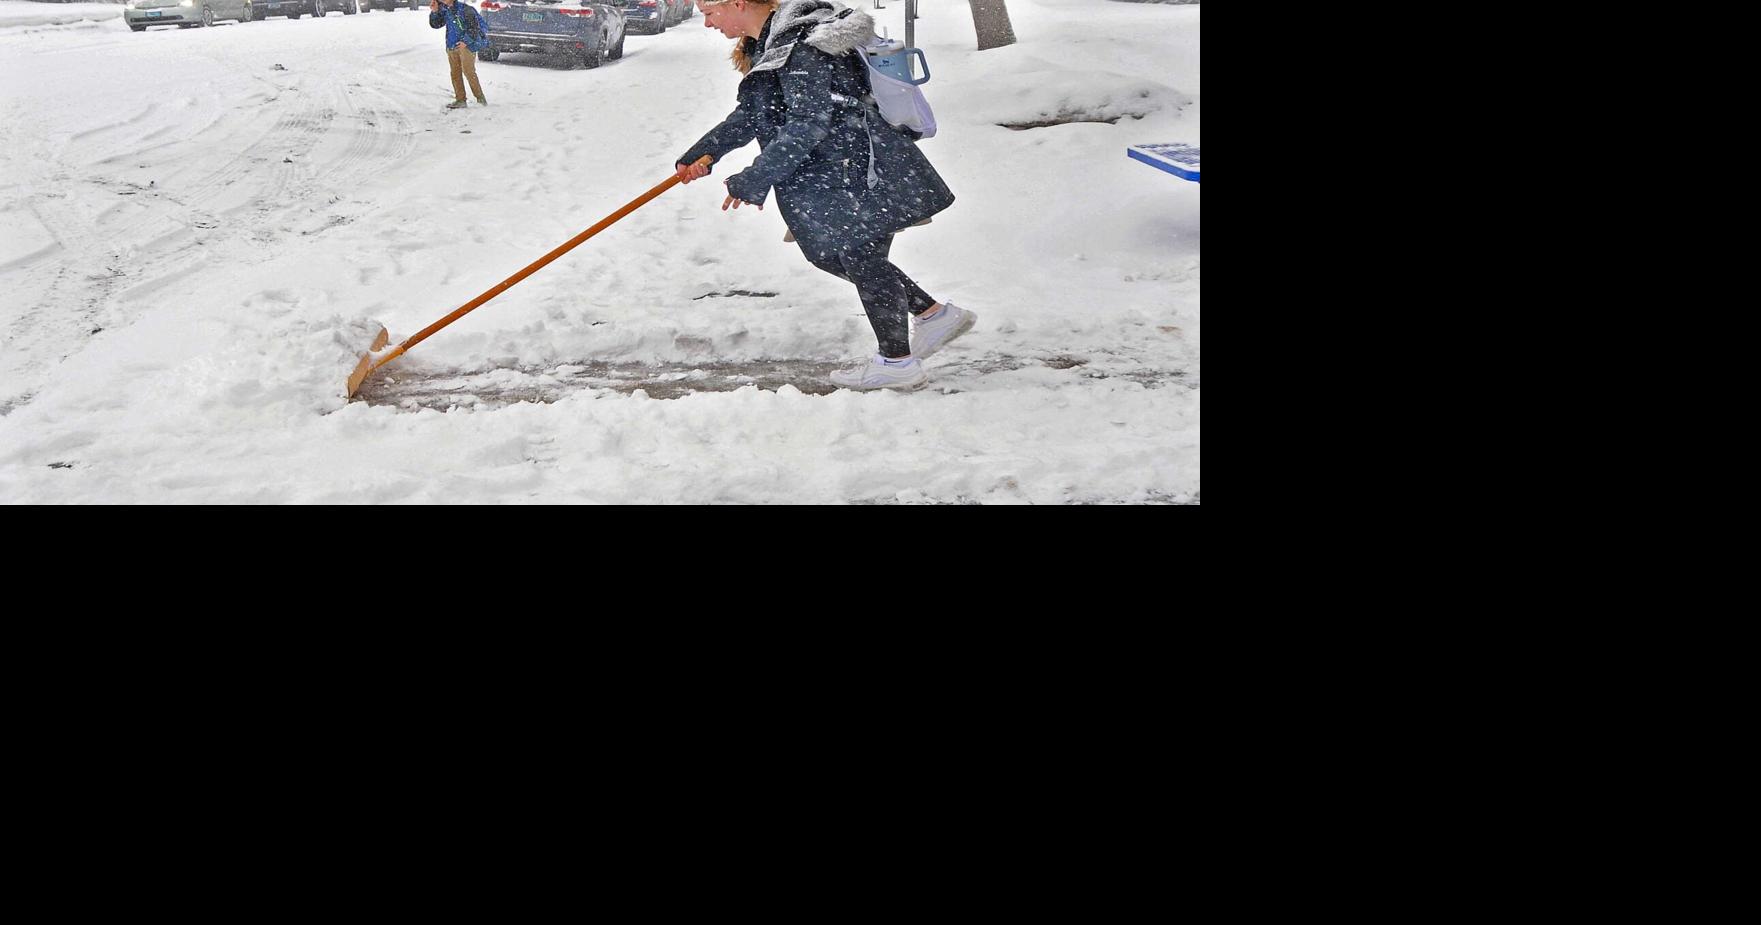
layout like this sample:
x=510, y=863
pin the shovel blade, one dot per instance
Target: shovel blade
x=366, y=365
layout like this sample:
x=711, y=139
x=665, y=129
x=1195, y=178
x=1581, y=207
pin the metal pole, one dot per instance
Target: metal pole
x=910, y=14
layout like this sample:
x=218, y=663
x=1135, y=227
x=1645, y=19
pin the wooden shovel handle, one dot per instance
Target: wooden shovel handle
x=537, y=265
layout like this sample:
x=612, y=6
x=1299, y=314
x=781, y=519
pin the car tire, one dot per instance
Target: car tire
x=351, y=9
x=488, y=54
x=318, y=10
x=207, y=18
x=617, y=51
x=595, y=56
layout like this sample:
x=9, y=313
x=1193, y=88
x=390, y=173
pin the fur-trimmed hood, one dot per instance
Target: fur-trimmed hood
x=827, y=31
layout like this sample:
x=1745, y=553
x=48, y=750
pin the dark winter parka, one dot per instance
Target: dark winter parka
x=842, y=175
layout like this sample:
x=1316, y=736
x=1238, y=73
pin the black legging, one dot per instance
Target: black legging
x=886, y=292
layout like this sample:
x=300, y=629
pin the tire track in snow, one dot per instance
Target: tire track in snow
x=143, y=114
x=271, y=164
x=377, y=136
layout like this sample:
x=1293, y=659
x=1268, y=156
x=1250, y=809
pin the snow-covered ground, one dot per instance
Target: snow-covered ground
x=201, y=229
x=16, y=14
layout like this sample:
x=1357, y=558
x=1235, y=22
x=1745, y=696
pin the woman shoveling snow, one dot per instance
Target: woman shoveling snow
x=846, y=180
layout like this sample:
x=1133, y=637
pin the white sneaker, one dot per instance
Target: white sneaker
x=873, y=373
x=936, y=333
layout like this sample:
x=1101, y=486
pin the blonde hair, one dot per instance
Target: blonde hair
x=744, y=46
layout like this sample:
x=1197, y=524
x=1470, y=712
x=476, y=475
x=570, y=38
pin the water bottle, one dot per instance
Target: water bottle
x=892, y=58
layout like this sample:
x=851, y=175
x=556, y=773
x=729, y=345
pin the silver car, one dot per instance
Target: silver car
x=139, y=14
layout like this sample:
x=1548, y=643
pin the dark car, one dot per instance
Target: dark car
x=673, y=12
x=647, y=17
x=294, y=9
x=587, y=31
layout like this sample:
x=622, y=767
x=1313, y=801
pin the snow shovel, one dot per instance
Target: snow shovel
x=368, y=365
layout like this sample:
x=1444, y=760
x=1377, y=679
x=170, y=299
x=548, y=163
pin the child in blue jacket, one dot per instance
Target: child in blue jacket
x=466, y=34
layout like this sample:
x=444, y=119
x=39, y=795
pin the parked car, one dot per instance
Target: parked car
x=348, y=7
x=292, y=9
x=590, y=31
x=139, y=14
x=389, y=5
x=682, y=10
x=647, y=17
